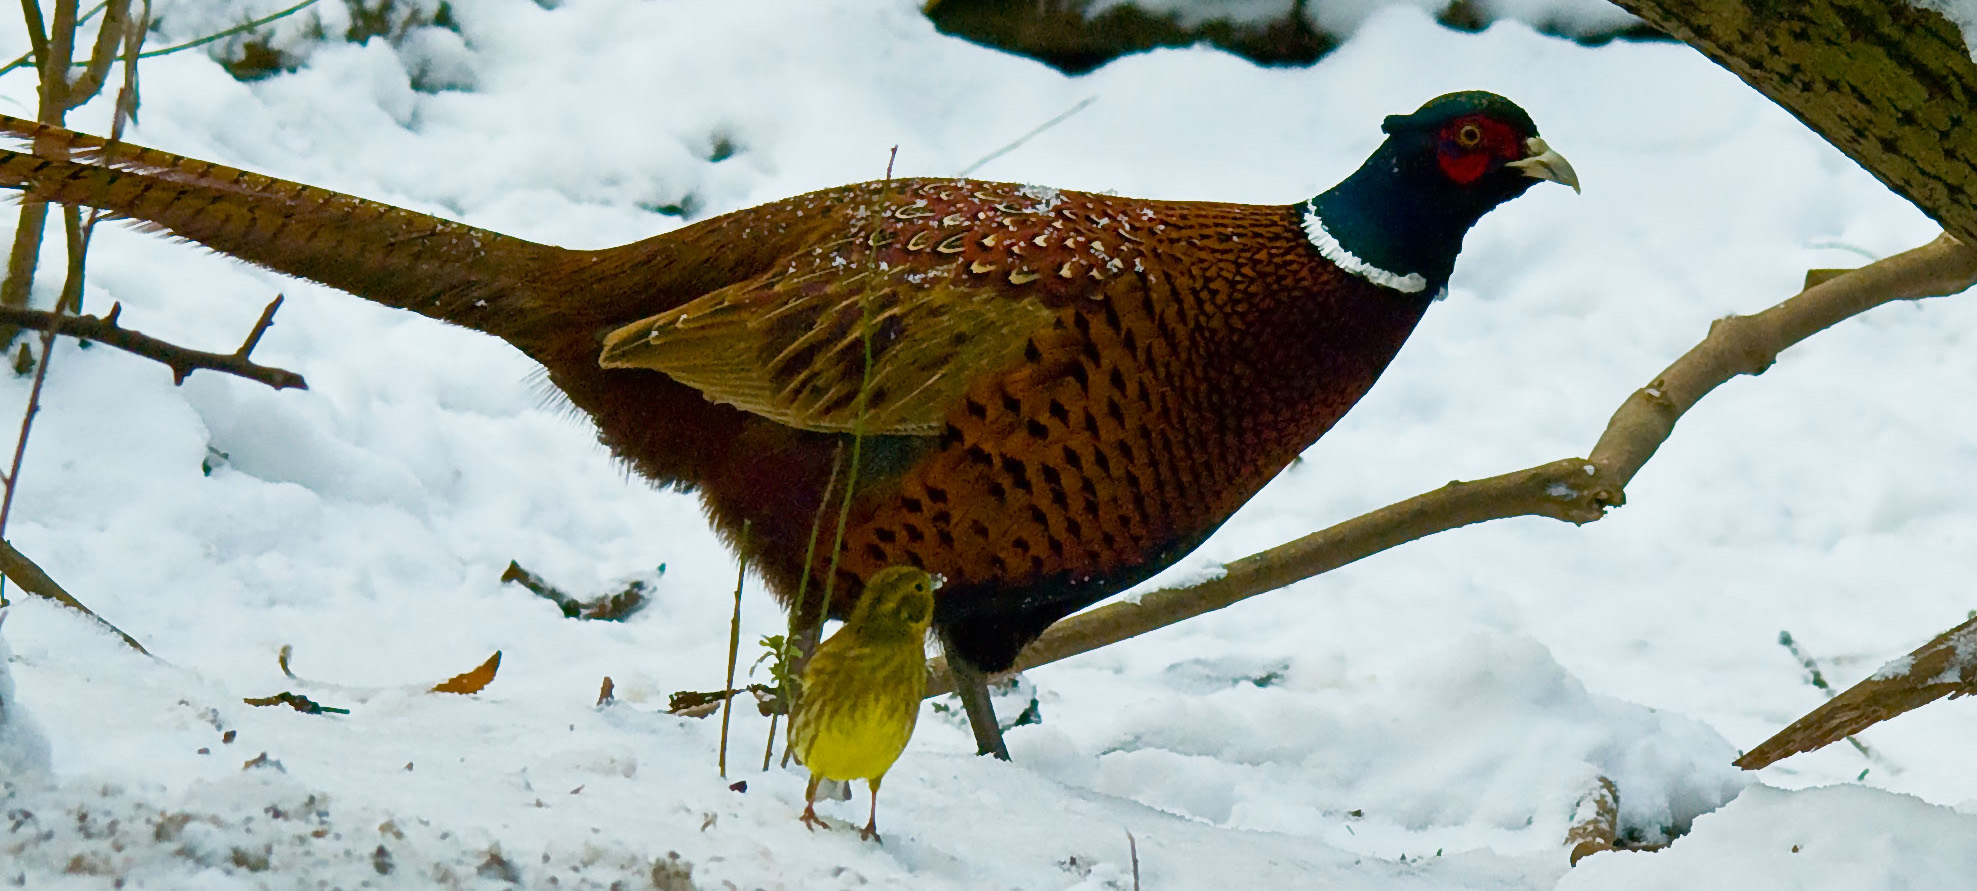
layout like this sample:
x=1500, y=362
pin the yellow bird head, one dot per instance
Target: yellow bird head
x=898, y=602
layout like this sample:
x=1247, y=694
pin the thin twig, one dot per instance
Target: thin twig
x=58, y=96
x=27, y=414
x=37, y=34
x=1817, y=679
x=1018, y=141
x=1575, y=490
x=734, y=650
x=813, y=630
x=769, y=751
x=34, y=580
x=802, y=641
x=181, y=360
x=28, y=60
x=1814, y=676
x=858, y=406
x=1133, y=849
x=222, y=35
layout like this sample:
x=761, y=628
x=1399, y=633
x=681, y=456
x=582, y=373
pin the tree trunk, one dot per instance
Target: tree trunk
x=1891, y=85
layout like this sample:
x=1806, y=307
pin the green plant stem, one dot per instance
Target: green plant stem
x=851, y=478
x=734, y=650
x=860, y=405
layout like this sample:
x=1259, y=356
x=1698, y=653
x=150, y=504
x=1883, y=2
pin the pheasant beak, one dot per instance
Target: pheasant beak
x=1543, y=163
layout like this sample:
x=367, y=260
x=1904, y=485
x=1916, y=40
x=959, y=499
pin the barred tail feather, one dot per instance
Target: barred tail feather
x=449, y=271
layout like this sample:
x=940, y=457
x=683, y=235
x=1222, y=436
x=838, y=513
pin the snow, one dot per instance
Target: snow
x=1961, y=13
x=1965, y=663
x=1427, y=718
x=23, y=747
x=1826, y=837
x=1894, y=668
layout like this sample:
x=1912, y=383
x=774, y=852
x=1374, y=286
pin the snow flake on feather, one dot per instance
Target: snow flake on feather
x=1328, y=247
x=1049, y=196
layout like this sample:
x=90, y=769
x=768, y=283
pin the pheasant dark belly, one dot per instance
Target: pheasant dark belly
x=1049, y=395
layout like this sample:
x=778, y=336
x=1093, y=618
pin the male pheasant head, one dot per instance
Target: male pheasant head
x=1399, y=220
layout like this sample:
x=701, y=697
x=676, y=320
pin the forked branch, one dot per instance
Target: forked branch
x=181, y=360
x=1575, y=490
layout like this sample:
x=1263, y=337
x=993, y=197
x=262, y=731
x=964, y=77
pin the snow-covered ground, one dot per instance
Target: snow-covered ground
x=1427, y=718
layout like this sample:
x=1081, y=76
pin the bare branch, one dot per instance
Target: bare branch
x=1595, y=822
x=32, y=579
x=109, y=36
x=61, y=53
x=37, y=32
x=1939, y=668
x=182, y=360
x=1575, y=490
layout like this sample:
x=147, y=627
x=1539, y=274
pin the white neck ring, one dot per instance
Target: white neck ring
x=1328, y=247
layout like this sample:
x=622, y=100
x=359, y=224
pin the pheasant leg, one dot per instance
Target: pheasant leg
x=972, y=686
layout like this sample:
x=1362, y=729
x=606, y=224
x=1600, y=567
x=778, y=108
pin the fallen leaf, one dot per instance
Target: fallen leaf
x=472, y=681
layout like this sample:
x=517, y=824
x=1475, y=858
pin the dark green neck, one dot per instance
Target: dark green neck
x=1399, y=214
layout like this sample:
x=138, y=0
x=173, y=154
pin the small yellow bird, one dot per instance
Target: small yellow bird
x=861, y=692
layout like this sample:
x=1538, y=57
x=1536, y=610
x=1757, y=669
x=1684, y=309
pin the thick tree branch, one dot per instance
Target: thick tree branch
x=1942, y=667
x=1889, y=83
x=1575, y=490
x=182, y=361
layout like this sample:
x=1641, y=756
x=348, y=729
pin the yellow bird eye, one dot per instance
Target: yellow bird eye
x=1469, y=136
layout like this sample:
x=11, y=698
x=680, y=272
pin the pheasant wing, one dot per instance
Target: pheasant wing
x=898, y=347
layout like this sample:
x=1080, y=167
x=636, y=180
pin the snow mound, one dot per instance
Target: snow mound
x=1832, y=837
x=23, y=748
x=1482, y=737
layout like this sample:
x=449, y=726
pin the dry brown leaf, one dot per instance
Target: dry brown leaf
x=472, y=681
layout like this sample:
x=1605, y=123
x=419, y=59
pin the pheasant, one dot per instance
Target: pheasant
x=1044, y=396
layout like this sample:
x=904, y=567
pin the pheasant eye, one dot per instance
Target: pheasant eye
x=1469, y=136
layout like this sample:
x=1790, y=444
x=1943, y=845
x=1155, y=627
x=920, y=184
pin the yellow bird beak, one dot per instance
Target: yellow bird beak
x=1543, y=163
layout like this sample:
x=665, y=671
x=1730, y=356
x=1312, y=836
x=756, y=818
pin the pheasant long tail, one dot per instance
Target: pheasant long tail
x=438, y=268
